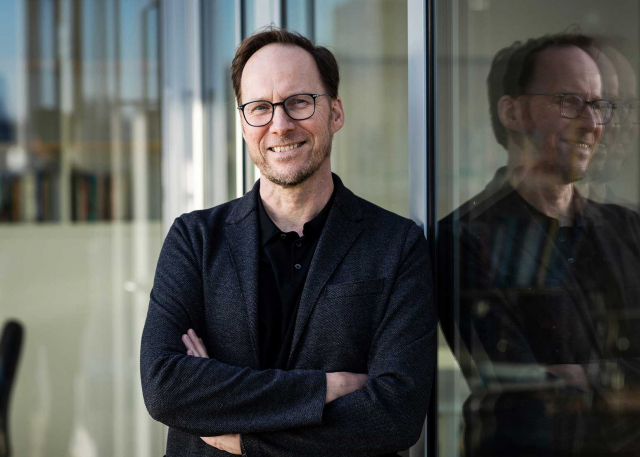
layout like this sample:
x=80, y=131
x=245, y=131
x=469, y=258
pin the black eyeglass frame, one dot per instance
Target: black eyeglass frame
x=584, y=103
x=284, y=107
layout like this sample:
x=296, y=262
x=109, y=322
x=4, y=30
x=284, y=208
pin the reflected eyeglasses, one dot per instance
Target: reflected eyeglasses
x=571, y=105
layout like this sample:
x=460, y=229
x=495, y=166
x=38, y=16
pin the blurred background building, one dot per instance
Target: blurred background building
x=116, y=116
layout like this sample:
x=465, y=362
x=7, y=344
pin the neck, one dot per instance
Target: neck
x=593, y=190
x=292, y=207
x=553, y=199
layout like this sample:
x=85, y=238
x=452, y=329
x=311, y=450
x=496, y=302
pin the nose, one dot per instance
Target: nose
x=281, y=122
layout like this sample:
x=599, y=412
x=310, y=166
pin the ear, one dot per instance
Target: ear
x=509, y=112
x=337, y=115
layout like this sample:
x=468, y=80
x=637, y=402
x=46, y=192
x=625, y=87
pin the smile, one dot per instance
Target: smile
x=579, y=144
x=286, y=148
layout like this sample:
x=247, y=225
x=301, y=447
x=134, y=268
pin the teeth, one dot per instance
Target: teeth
x=285, y=148
x=580, y=145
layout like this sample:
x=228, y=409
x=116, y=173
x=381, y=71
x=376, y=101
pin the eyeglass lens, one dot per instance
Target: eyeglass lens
x=572, y=106
x=298, y=107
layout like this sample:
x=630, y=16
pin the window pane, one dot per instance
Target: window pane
x=219, y=44
x=538, y=236
x=79, y=220
x=369, y=40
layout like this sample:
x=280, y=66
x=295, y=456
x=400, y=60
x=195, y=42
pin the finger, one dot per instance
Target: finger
x=210, y=440
x=189, y=352
x=194, y=346
x=204, y=348
x=189, y=345
x=200, y=349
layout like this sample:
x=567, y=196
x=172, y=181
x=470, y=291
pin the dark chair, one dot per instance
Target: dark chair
x=10, y=345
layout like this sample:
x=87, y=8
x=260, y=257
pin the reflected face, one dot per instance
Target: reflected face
x=610, y=91
x=287, y=152
x=561, y=147
x=621, y=133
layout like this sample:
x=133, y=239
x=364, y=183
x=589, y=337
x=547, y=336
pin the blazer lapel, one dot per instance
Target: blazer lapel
x=342, y=228
x=243, y=243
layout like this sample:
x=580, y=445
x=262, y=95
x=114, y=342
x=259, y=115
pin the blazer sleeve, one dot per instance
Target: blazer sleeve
x=388, y=413
x=206, y=397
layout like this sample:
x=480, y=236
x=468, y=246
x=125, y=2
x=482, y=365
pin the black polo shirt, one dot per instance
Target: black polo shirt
x=285, y=259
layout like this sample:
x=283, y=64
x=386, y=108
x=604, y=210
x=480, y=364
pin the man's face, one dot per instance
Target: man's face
x=619, y=135
x=273, y=73
x=611, y=131
x=561, y=148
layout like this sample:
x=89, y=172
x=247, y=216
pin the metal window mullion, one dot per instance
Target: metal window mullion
x=431, y=432
x=422, y=141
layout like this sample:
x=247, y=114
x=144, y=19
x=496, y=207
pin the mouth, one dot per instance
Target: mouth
x=579, y=144
x=286, y=148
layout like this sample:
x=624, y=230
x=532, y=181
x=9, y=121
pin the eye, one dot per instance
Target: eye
x=258, y=108
x=573, y=101
x=299, y=102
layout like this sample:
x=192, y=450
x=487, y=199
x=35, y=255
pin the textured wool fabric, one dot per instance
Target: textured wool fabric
x=367, y=307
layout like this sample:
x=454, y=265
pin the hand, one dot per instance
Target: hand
x=195, y=346
x=231, y=442
x=341, y=383
x=573, y=374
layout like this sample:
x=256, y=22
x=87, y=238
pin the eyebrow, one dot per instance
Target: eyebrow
x=290, y=93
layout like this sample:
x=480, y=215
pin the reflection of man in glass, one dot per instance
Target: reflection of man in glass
x=547, y=278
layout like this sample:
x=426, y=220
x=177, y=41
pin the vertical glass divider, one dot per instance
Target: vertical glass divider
x=418, y=137
x=240, y=162
x=431, y=445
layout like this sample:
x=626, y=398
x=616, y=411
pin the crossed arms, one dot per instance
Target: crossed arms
x=287, y=412
x=339, y=384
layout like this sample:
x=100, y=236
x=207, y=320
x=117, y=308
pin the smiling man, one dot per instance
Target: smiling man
x=545, y=317
x=296, y=320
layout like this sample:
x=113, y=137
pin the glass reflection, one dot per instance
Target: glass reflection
x=538, y=292
x=619, y=83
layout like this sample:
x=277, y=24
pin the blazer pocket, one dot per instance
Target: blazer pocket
x=354, y=289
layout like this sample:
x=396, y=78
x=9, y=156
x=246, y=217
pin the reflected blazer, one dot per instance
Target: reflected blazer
x=366, y=307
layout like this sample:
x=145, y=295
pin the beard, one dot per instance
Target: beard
x=269, y=169
x=549, y=159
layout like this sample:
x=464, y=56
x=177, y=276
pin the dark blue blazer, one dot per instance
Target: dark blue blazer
x=366, y=307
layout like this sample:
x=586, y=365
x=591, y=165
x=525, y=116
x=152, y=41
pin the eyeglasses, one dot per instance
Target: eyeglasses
x=571, y=105
x=627, y=110
x=298, y=107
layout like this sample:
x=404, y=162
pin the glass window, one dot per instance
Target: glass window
x=369, y=40
x=219, y=42
x=80, y=226
x=538, y=234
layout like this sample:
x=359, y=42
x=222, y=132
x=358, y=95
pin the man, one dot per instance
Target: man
x=305, y=311
x=547, y=290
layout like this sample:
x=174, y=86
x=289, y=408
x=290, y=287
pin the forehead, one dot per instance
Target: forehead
x=566, y=69
x=278, y=70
